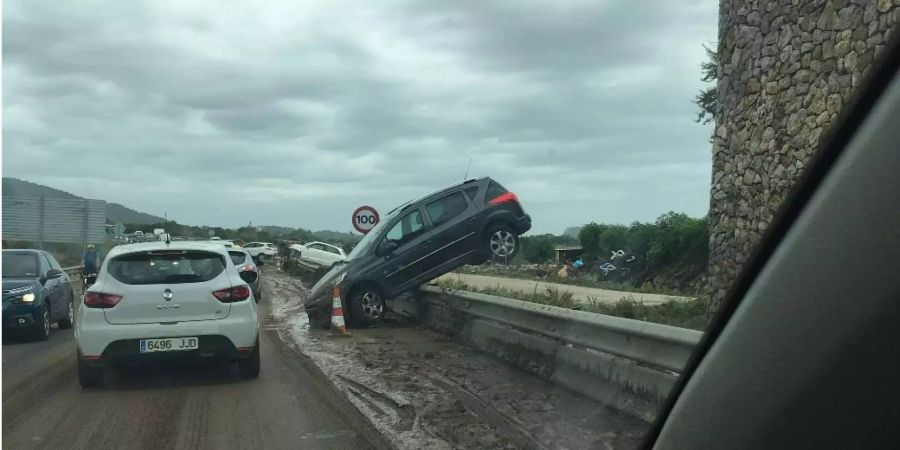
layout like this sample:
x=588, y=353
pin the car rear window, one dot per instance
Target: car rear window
x=237, y=257
x=495, y=190
x=471, y=192
x=166, y=267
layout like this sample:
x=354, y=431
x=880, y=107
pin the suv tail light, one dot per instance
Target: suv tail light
x=233, y=294
x=98, y=300
x=504, y=198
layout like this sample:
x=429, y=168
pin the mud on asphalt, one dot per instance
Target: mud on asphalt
x=421, y=390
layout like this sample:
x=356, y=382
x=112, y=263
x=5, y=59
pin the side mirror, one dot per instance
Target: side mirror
x=53, y=273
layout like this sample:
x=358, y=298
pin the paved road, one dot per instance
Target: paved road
x=195, y=407
x=579, y=293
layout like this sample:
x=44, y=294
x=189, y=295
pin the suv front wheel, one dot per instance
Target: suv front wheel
x=502, y=243
x=367, y=306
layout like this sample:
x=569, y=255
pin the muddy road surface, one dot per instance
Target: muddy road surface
x=196, y=406
x=422, y=390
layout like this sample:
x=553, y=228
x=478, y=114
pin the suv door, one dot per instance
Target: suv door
x=454, y=221
x=53, y=288
x=402, y=267
x=314, y=254
x=65, y=286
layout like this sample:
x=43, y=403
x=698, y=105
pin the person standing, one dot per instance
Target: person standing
x=90, y=259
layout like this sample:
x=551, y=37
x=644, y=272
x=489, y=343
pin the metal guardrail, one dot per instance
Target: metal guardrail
x=626, y=363
x=73, y=270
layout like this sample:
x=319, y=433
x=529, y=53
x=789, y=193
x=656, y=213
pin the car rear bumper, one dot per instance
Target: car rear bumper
x=95, y=337
x=126, y=352
x=523, y=224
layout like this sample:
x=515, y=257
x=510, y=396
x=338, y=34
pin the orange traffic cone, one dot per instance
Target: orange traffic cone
x=337, y=314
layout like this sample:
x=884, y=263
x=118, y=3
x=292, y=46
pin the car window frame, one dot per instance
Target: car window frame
x=459, y=192
x=45, y=259
x=426, y=225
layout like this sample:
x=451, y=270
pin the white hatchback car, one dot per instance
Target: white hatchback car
x=319, y=253
x=156, y=301
x=261, y=248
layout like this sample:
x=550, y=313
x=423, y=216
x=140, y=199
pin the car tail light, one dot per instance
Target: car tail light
x=504, y=198
x=233, y=294
x=98, y=300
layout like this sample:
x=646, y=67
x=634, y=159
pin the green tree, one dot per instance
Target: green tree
x=707, y=98
x=538, y=249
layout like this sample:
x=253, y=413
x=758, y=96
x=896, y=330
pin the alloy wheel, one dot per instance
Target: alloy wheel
x=372, y=305
x=503, y=243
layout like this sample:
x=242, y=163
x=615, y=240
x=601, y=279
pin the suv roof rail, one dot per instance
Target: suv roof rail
x=404, y=206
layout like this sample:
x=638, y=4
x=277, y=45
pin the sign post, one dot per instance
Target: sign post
x=365, y=218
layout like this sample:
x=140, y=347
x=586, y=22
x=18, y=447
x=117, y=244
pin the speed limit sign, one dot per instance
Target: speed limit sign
x=365, y=218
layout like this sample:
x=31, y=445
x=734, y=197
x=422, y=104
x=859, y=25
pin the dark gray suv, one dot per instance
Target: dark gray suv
x=467, y=223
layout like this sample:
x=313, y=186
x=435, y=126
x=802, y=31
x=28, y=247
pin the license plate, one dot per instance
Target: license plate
x=168, y=344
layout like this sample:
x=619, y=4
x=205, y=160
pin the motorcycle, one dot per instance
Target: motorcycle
x=88, y=279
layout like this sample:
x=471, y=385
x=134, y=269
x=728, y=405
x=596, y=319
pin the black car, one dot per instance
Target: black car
x=36, y=293
x=467, y=223
x=248, y=268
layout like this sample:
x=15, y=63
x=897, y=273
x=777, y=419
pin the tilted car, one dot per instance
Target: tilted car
x=157, y=301
x=247, y=269
x=36, y=293
x=467, y=223
x=319, y=253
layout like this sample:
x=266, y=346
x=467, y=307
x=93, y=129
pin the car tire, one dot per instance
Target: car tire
x=502, y=243
x=69, y=320
x=88, y=376
x=248, y=368
x=367, y=306
x=42, y=327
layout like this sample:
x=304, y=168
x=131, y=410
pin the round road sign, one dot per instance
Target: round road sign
x=365, y=218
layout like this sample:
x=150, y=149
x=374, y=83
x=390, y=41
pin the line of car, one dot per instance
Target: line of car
x=171, y=300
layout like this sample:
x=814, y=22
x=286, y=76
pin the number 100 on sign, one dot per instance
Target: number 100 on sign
x=365, y=218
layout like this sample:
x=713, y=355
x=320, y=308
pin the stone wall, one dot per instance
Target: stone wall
x=786, y=68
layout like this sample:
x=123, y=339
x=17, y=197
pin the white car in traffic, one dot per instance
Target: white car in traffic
x=261, y=248
x=318, y=253
x=156, y=301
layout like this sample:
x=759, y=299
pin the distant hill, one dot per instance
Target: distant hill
x=115, y=212
x=572, y=232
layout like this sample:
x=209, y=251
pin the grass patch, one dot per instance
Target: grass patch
x=690, y=314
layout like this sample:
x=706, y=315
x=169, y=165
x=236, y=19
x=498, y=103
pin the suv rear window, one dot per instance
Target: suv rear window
x=166, y=267
x=494, y=190
x=237, y=257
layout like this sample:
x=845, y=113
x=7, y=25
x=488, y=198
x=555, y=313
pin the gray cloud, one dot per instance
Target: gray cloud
x=293, y=114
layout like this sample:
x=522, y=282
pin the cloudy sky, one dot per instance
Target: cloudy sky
x=293, y=113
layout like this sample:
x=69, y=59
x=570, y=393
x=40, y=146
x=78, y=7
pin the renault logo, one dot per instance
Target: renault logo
x=167, y=294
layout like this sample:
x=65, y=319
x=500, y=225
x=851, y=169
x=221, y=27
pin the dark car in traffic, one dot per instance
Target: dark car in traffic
x=248, y=269
x=467, y=223
x=36, y=293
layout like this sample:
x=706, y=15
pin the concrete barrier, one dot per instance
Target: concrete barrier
x=628, y=364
